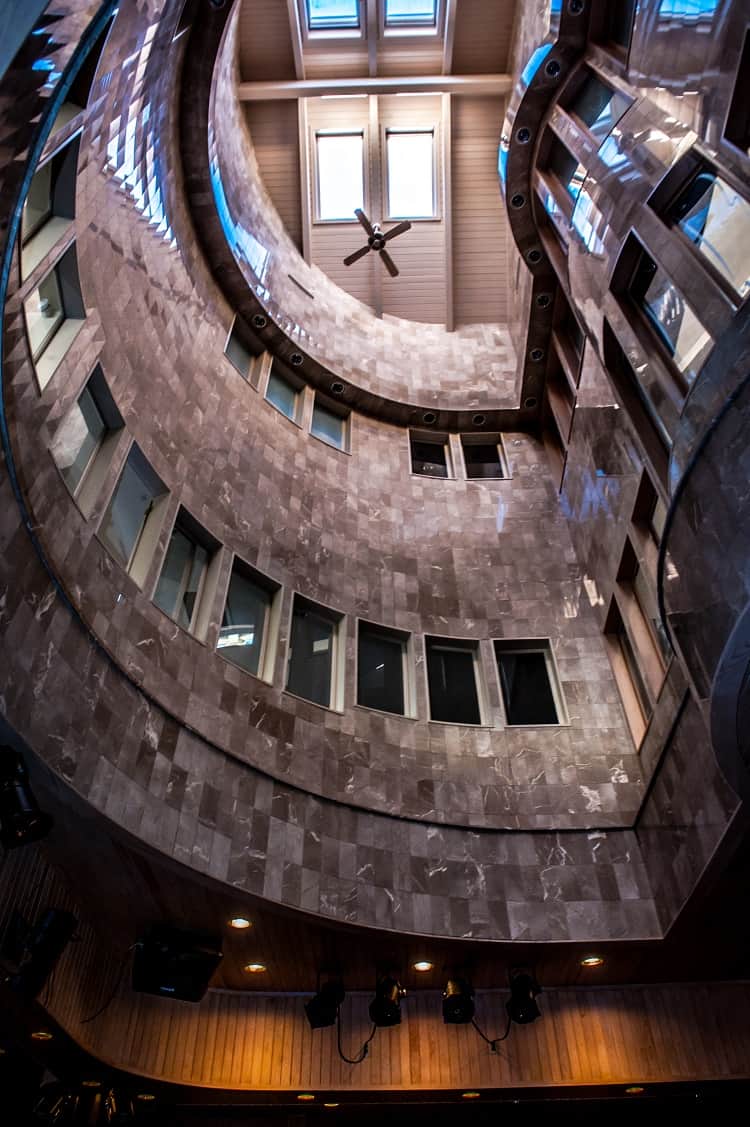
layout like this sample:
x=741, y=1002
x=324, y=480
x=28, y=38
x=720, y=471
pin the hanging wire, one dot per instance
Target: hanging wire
x=363, y=1050
x=493, y=1042
x=115, y=988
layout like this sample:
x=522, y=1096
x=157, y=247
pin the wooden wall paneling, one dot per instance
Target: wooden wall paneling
x=274, y=130
x=264, y=41
x=483, y=36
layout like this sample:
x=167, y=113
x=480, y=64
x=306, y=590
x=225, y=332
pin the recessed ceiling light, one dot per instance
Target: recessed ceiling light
x=470, y=1095
x=240, y=922
x=145, y=1096
x=422, y=964
x=635, y=1090
x=255, y=968
x=91, y=1083
x=592, y=961
x=41, y=1035
x=330, y=1105
x=305, y=1097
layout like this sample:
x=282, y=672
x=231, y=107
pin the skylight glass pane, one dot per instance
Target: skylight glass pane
x=406, y=12
x=340, y=175
x=410, y=176
x=322, y=14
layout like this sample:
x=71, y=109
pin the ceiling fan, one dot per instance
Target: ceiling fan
x=376, y=240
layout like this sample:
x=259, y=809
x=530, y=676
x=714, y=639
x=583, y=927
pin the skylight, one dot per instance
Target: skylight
x=411, y=179
x=323, y=15
x=340, y=169
x=410, y=13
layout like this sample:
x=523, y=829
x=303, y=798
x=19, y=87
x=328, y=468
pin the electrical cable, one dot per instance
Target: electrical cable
x=493, y=1042
x=115, y=988
x=363, y=1050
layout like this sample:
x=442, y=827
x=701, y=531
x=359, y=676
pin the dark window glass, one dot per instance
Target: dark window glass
x=328, y=427
x=620, y=16
x=527, y=693
x=132, y=501
x=738, y=120
x=79, y=438
x=482, y=460
x=598, y=106
x=311, y=655
x=380, y=670
x=452, y=683
x=243, y=624
x=283, y=396
x=181, y=578
x=678, y=328
x=566, y=168
x=240, y=349
x=429, y=458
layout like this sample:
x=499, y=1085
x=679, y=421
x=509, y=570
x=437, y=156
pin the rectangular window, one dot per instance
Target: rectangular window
x=410, y=13
x=566, y=168
x=49, y=208
x=93, y=420
x=598, y=106
x=181, y=589
x=429, y=456
x=132, y=519
x=452, y=681
x=313, y=654
x=323, y=15
x=282, y=394
x=340, y=175
x=43, y=309
x=716, y=219
x=619, y=18
x=411, y=174
x=381, y=665
x=242, y=347
x=528, y=682
x=54, y=313
x=244, y=638
x=482, y=456
x=737, y=129
x=678, y=329
x=630, y=683
x=329, y=426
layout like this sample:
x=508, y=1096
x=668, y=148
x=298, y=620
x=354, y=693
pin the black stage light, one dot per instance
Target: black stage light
x=458, y=1002
x=323, y=1009
x=21, y=820
x=385, y=1008
x=521, y=1005
x=43, y=946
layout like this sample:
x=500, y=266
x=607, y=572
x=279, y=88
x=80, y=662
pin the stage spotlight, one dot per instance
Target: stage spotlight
x=323, y=1009
x=458, y=1002
x=385, y=1008
x=521, y=1005
x=21, y=820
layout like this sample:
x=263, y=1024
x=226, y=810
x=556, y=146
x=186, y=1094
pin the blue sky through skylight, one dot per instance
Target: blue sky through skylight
x=332, y=13
x=410, y=11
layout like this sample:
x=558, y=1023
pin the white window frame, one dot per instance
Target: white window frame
x=313, y=35
x=409, y=30
x=355, y=132
x=338, y=648
x=271, y=620
x=405, y=638
x=345, y=416
x=434, y=130
x=432, y=439
x=533, y=645
x=298, y=389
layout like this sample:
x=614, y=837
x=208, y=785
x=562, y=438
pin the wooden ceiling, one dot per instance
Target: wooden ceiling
x=454, y=268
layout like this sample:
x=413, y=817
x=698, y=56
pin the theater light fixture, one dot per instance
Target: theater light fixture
x=41, y=1035
x=21, y=820
x=521, y=1006
x=592, y=961
x=385, y=1008
x=422, y=965
x=255, y=968
x=458, y=1002
x=240, y=923
x=323, y=1009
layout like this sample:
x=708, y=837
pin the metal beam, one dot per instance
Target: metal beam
x=448, y=34
x=410, y=84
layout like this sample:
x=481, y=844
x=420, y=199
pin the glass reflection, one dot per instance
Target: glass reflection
x=717, y=220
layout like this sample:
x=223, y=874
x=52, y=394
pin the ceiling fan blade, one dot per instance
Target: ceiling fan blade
x=399, y=229
x=357, y=254
x=363, y=220
x=390, y=265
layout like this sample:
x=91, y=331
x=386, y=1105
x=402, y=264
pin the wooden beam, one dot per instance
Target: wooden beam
x=410, y=84
x=449, y=34
x=447, y=137
x=372, y=37
x=296, y=32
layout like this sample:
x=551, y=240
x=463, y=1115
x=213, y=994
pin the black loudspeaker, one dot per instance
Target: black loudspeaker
x=43, y=946
x=175, y=963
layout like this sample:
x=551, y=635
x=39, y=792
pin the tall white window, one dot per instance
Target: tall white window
x=340, y=175
x=411, y=173
x=410, y=13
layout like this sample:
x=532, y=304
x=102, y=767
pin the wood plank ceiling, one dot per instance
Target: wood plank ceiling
x=453, y=268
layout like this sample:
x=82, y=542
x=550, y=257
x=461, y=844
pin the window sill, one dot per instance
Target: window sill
x=55, y=352
x=382, y=712
x=314, y=703
x=330, y=445
x=41, y=243
x=431, y=477
x=462, y=724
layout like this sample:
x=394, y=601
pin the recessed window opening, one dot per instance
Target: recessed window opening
x=54, y=309
x=737, y=129
x=716, y=219
x=314, y=657
x=452, y=678
x=181, y=589
x=82, y=447
x=483, y=457
x=619, y=22
x=133, y=517
x=329, y=426
x=528, y=682
x=678, y=329
x=242, y=347
x=340, y=175
x=325, y=15
x=410, y=160
x=381, y=669
x=639, y=604
x=283, y=394
x=410, y=13
x=247, y=630
x=49, y=208
x=598, y=106
x=628, y=676
x=429, y=455
x=566, y=168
